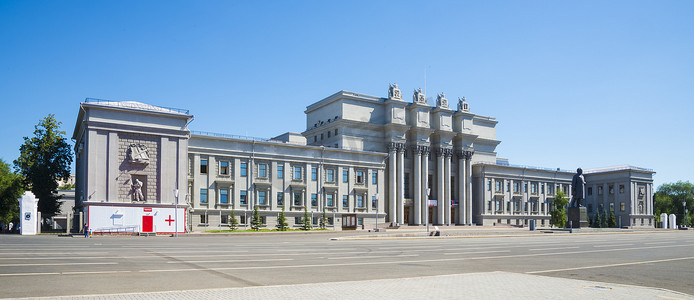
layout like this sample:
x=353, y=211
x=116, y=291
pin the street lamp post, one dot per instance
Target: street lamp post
x=684, y=212
x=426, y=204
x=175, y=191
x=376, y=195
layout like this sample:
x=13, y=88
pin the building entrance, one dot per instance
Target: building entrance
x=431, y=214
x=407, y=215
x=147, y=223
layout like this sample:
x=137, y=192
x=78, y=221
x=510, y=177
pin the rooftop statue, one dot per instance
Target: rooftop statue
x=441, y=101
x=419, y=97
x=394, y=92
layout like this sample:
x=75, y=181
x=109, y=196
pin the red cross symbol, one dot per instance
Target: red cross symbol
x=169, y=220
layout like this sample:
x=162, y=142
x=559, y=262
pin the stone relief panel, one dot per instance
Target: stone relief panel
x=138, y=157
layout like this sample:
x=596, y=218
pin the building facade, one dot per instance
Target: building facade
x=362, y=161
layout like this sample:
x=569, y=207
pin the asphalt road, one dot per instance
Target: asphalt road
x=52, y=266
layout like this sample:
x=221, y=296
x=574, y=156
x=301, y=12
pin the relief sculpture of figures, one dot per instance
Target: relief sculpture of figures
x=137, y=153
x=578, y=187
x=137, y=191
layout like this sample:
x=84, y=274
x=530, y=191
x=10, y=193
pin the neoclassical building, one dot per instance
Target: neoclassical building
x=363, y=161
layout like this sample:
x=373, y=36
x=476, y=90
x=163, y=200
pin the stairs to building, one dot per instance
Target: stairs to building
x=147, y=234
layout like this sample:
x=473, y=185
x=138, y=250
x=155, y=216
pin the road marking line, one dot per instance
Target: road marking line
x=656, y=243
x=29, y=274
x=558, y=248
x=611, y=245
x=93, y=272
x=234, y=261
x=387, y=256
x=484, y=252
x=58, y=264
x=611, y=265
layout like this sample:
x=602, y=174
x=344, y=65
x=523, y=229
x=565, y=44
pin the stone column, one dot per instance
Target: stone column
x=401, y=184
x=440, y=193
x=468, y=179
x=417, y=185
x=392, y=181
x=447, y=186
x=462, y=190
x=425, y=185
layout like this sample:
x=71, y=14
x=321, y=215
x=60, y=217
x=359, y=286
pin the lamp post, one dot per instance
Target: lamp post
x=376, y=199
x=175, y=191
x=426, y=204
x=684, y=212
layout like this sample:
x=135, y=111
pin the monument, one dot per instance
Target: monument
x=578, y=216
x=28, y=212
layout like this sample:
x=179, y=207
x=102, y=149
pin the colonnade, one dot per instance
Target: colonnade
x=419, y=210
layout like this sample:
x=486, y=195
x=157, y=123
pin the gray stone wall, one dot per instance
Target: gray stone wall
x=126, y=170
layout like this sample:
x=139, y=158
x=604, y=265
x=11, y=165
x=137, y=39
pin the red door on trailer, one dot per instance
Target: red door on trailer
x=147, y=223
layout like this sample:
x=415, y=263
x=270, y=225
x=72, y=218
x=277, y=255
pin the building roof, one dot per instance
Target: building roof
x=137, y=105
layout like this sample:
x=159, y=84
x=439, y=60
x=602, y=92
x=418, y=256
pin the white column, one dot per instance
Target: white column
x=440, y=193
x=401, y=185
x=447, y=188
x=392, y=183
x=425, y=186
x=468, y=179
x=417, y=186
x=462, y=190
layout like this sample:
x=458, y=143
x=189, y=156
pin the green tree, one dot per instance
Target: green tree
x=44, y=159
x=611, y=220
x=598, y=219
x=558, y=215
x=603, y=219
x=11, y=188
x=233, y=223
x=282, y=224
x=306, y=221
x=669, y=197
x=323, y=220
x=256, y=223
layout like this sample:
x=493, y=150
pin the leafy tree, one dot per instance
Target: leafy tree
x=282, y=224
x=603, y=219
x=233, y=223
x=590, y=221
x=558, y=215
x=669, y=197
x=611, y=220
x=323, y=220
x=306, y=221
x=45, y=159
x=11, y=188
x=256, y=223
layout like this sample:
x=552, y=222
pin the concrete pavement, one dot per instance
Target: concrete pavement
x=492, y=285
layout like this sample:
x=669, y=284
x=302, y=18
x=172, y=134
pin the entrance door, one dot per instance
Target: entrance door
x=407, y=215
x=431, y=214
x=453, y=209
x=147, y=223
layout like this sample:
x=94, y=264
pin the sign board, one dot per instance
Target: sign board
x=147, y=209
x=433, y=202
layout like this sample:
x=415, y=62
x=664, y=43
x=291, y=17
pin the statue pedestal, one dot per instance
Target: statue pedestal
x=578, y=217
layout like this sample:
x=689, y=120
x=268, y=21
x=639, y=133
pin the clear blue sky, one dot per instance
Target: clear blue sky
x=572, y=83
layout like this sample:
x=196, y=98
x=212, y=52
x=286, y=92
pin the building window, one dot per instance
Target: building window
x=622, y=206
x=242, y=219
x=329, y=200
x=508, y=186
x=549, y=189
x=497, y=185
x=243, y=198
x=599, y=190
x=263, y=220
x=224, y=196
x=335, y=131
x=533, y=188
x=516, y=187
x=611, y=207
x=314, y=221
x=330, y=175
x=517, y=206
x=297, y=220
x=360, y=201
x=345, y=201
x=360, y=221
x=590, y=208
x=314, y=200
x=297, y=199
x=329, y=132
x=203, y=195
x=374, y=202
x=314, y=174
x=203, y=166
x=345, y=175
x=525, y=188
x=280, y=199
x=360, y=177
x=542, y=189
x=497, y=205
x=297, y=173
x=315, y=138
x=244, y=169
x=611, y=189
x=262, y=170
x=621, y=189
x=590, y=191
x=203, y=219
x=225, y=219
x=280, y=171
x=489, y=185
x=374, y=177
x=262, y=197
x=330, y=219
x=223, y=168
x=321, y=136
